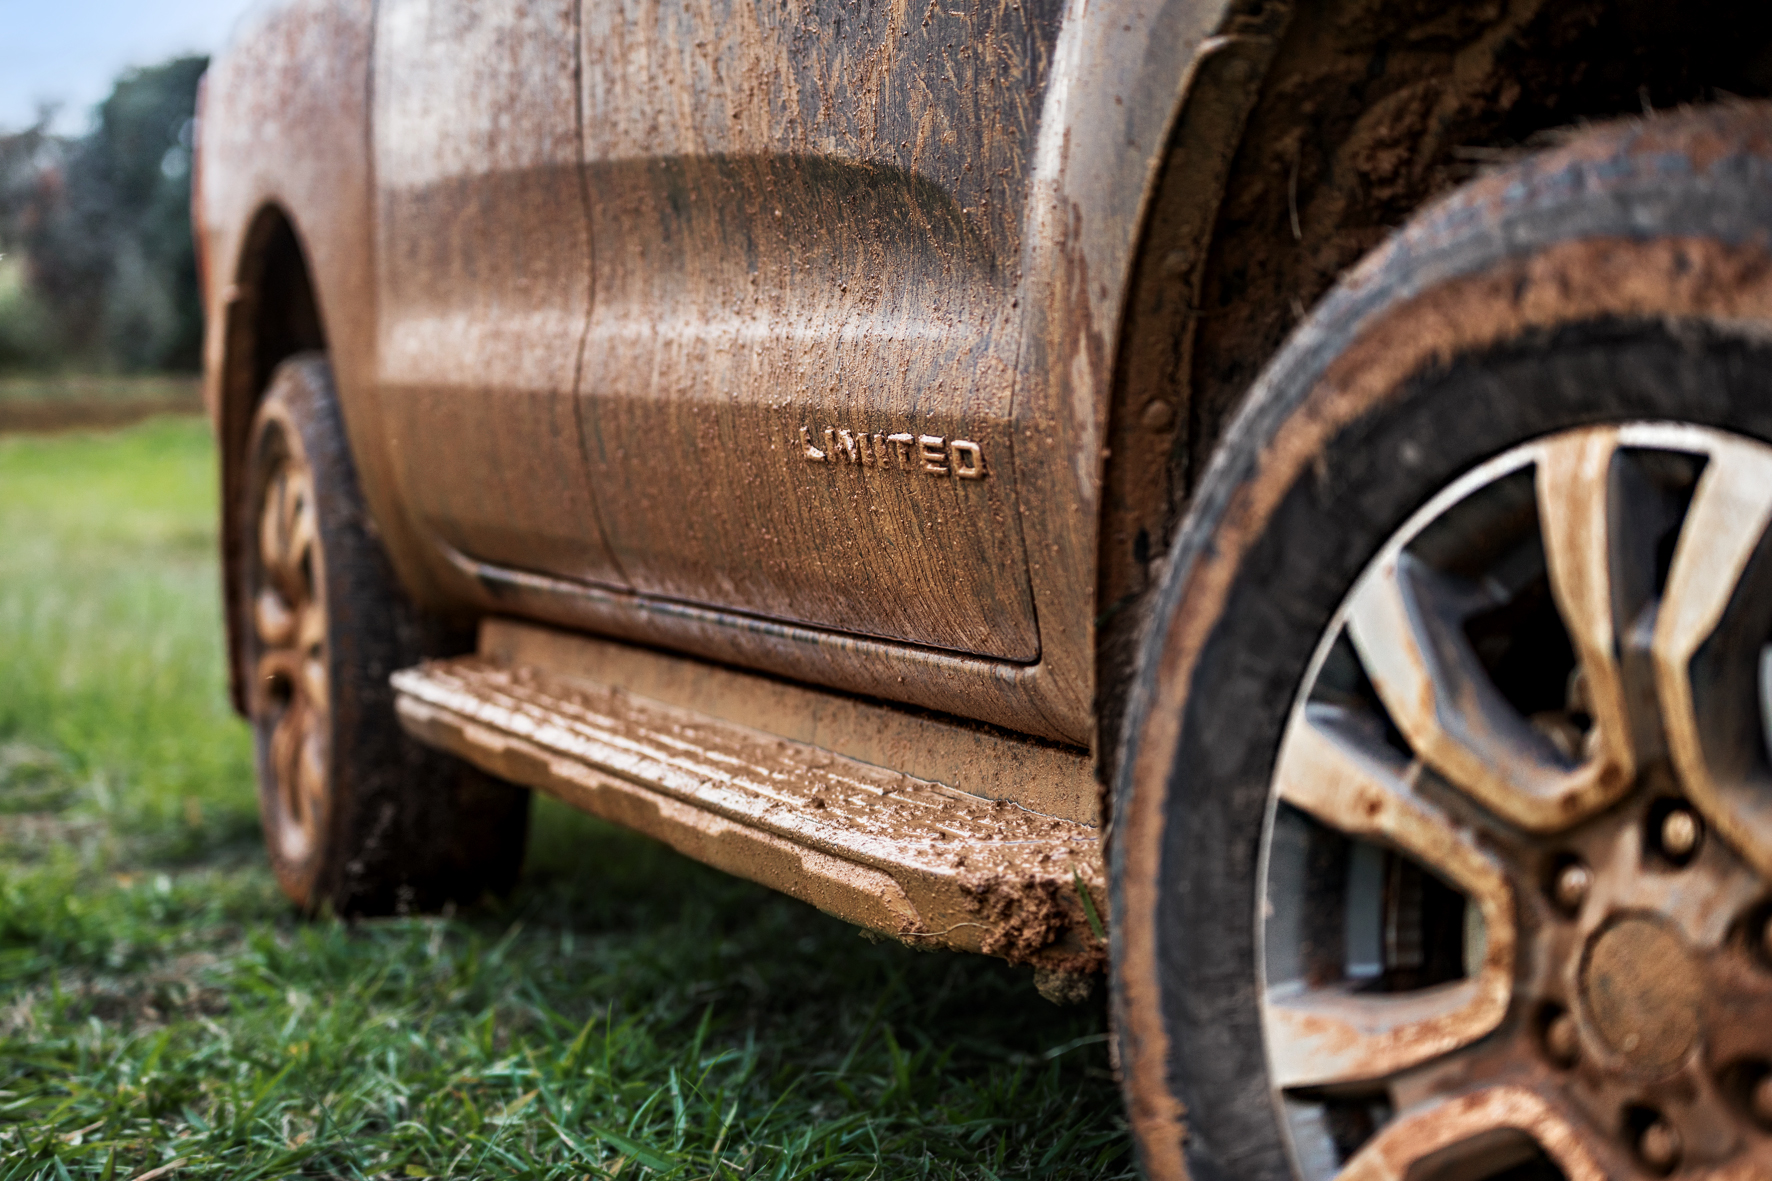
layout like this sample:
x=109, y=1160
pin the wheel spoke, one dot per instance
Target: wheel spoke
x=300, y=526
x=310, y=646
x=1573, y=481
x=272, y=619
x=287, y=534
x=1330, y=1034
x=313, y=681
x=1717, y=743
x=286, y=750
x=1405, y=620
x=1738, y=1011
x=274, y=541
x=1481, y=1120
x=310, y=779
x=271, y=545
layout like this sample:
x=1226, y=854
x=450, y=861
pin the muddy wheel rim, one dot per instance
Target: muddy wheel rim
x=291, y=697
x=1517, y=860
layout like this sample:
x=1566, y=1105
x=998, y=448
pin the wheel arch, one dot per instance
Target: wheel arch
x=1263, y=196
x=270, y=314
x=283, y=213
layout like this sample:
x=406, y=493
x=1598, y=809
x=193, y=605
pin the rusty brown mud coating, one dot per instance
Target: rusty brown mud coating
x=1568, y=283
x=1043, y=777
x=282, y=218
x=597, y=273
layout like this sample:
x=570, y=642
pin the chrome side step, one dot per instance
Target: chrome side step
x=917, y=860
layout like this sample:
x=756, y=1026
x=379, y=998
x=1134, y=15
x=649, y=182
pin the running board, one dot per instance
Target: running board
x=913, y=859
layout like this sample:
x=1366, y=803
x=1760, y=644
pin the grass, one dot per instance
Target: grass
x=626, y=1013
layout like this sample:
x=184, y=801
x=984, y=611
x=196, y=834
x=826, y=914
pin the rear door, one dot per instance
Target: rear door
x=484, y=287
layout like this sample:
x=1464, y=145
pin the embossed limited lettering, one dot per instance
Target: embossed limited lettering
x=967, y=459
x=934, y=455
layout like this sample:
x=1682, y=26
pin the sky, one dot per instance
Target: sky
x=69, y=51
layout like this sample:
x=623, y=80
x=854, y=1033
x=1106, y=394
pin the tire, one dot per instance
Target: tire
x=1624, y=278
x=358, y=817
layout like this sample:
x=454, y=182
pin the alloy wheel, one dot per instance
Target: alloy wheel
x=1518, y=862
x=290, y=691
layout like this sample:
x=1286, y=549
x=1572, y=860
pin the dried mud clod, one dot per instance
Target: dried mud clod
x=1036, y=919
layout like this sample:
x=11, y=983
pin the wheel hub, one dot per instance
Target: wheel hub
x=1642, y=992
x=1518, y=903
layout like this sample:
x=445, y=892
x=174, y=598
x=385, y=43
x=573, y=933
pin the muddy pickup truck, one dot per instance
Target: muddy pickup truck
x=1265, y=500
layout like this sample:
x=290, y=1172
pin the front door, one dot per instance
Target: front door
x=796, y=384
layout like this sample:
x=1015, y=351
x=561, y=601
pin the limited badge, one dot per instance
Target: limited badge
x=935, y=455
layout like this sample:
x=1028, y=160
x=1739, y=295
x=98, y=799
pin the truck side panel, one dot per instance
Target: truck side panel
x=287, y=128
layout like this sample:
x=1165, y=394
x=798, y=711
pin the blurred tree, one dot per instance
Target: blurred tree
x=23, y=157
x=28, y=160
x=107, y=230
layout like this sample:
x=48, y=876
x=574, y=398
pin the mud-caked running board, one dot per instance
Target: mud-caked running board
x=917, y=860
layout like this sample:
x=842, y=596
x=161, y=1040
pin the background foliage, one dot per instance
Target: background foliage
x=99, y=273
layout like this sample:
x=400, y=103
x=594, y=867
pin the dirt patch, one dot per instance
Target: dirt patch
x=49, y=417
x=50, y=404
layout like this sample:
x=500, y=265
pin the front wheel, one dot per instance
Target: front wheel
x=1445, y=846
x=357, y=816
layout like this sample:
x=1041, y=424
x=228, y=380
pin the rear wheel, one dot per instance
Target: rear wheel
x=357, y=815
x=1445, y=846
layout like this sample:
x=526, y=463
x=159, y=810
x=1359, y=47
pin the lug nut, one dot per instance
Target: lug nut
x=1759, y=1100
x=1572, y=884
x=1679, y=834
x=1563, y=1041
x=1659, y=1146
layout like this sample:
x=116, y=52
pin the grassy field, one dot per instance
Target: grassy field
x=625, y=1013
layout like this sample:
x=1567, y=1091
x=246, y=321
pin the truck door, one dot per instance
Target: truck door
x=484, y=277
x=796, y=391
